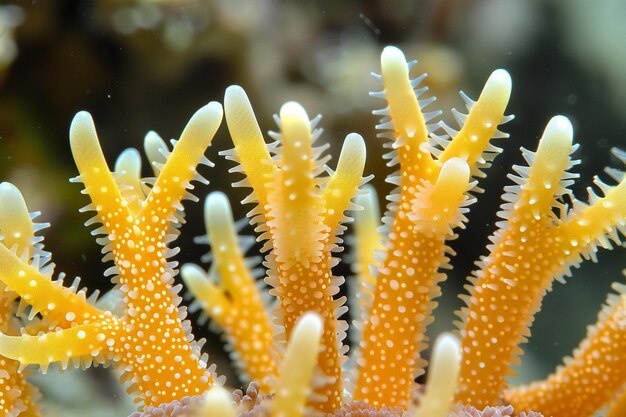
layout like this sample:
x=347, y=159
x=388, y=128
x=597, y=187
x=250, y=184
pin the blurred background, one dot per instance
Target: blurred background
x=140, y=65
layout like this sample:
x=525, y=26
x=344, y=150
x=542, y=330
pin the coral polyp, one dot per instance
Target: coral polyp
x=289, y=345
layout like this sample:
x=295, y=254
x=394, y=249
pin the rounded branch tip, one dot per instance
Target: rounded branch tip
x=240, y=118
x=82, y=124
x=152, y=145
x=152, y=136
x=454, y=173
x=236, y=100
x=234, y=92
x=448, y=346
x=217, y=210
x=218, y=402
x=311, y=324
x=14, y=215
x=394, y=65
x=9, y=191
x=353, y=153
x=559, y=125
x=211, y=113
x=499, y=80
x=152, y=140
x=392, y=54
x=354, y=141
x=129, y=161
x=192, y=273
x=82, y=117
x=292, y=110
x=557, y=135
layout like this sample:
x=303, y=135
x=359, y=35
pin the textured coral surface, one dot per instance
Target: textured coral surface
x=292, y=343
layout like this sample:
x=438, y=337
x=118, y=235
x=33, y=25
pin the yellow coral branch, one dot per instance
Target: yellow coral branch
x=150, y=341
x=85, y=342
x=443, y=378
x=251, y=150
x=29, y=277
x=430, y=203
x=296, y=372
x=367, y=241
x=533, y=247
x=481, y=124
x=300, y=219
x=235, y=305
x=295, y=206
x=59, y=305
x=94, y=173
x=180, y=169
x=17, y=396
x=128, y=170
x=344, y=182
x=588, y=380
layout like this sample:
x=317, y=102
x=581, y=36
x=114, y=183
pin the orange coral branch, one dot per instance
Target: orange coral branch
x=150, y=342
x=589, y=379
x=235, y=304
x=533, y=246
x=300, y=220
x=429, y=204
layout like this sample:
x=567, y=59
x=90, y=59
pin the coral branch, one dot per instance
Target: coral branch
x=151, y=343
x=588, y=380
x=366, y=242
x=344, y=182
x=430, y=203
x=235, y=305
x=180, y=169
x=81, y=344
x=17, y=396
x=533, y=246
x=296, y=373
x=300, y=220
x=443, y=378
x=99, y=183
x=251, y=151
x=480, y=125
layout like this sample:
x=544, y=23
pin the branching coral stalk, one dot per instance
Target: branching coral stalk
x=17, y=396
x=299, y=213
x=534, y=245
x=424, y=211
x=589, y=379
x=150, y=343
x=236, y=304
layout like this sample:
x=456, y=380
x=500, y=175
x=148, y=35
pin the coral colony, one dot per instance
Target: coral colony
x=291, y=344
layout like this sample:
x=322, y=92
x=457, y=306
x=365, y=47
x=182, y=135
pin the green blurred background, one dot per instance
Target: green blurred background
x=140, y=65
